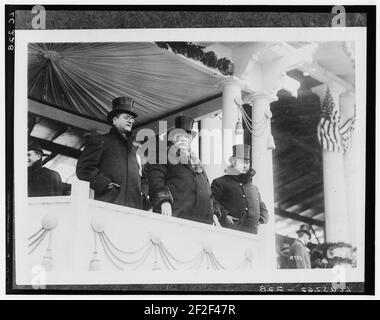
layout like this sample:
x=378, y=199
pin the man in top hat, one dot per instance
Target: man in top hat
x=42, y=182
x=299, y=253
x=180, y=187
x=236, y=199
x=109, y=161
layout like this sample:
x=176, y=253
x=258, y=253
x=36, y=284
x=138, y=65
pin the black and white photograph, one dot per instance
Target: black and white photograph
x=193, y=158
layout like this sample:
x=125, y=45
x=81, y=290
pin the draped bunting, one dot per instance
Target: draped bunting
x=85, y=77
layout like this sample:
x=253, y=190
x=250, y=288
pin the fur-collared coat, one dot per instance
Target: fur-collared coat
x=185, y=186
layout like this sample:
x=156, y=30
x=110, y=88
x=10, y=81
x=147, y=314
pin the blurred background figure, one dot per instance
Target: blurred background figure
x=41, y=181
x=299, y=253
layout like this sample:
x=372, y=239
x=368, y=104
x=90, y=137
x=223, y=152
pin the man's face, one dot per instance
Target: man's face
x=242, y=165
x=123, y=122
x=183, y=141
x=305, y=238
x=33, y=157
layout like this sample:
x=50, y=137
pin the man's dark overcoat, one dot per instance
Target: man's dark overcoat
x=299, y=256
x=186, y=189
x=43, y=182
x=112, y=158
x=236, y=196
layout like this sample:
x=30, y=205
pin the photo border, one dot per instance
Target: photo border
x=370, y=162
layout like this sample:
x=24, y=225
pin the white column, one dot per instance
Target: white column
x=354, y=168
x=347, y=105
x=262, y=162
x=231, y=89
x=211, y=147
x=336, y=218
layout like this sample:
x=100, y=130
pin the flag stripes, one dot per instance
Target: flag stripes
x=332, y=135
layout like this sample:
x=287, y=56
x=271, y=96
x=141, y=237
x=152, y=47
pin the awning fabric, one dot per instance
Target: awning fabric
x=84, y=78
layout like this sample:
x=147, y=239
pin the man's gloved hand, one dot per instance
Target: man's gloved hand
x=166, y=208
x=231, y=219
x=113, y=185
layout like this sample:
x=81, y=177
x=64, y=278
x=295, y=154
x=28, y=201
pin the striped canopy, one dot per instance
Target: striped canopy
x=83, y=78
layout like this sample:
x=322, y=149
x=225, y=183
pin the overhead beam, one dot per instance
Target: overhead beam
x=292, y=57
x=58, y=148
x=316, y=202
x=325, y=76
x=48, y=158
x=302, y=59
x=196, y=112
x=291, y=215
x=51, y=112
x=295, y=198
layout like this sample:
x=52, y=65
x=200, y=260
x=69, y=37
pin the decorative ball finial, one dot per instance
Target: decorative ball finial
x=50, y=221
x=155, y=238
x=97, y=225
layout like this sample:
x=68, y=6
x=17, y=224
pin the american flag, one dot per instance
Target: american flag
x=329, y=135
x=346, y=131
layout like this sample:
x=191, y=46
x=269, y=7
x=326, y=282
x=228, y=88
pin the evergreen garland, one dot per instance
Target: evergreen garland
x=335, y=245
x=197, y=52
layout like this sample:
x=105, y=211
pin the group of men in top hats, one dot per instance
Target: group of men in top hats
x=178, y=188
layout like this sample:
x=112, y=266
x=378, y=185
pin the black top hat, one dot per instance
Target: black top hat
x=241, y=151
x=35, y=145
x=304, y=228
x=185, y=123
x=122, y=105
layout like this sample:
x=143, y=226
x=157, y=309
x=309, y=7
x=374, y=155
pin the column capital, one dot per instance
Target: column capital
x=336, y=89
x=260, y=95
x=232, y=81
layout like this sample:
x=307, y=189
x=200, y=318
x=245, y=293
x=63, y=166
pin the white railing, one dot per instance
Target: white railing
x=78, y=240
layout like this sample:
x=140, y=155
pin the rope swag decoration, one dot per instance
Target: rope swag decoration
x=162, y=256
x=49, y=223
x=197, y=52
x=257, y=128
x=155, y=250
